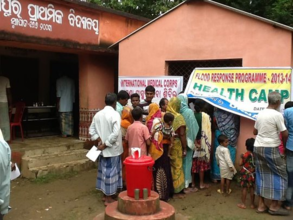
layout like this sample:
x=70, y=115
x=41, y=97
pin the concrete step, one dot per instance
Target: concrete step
x=59, y=168
x=54, y=156
x=53, y=148
x=49, y=159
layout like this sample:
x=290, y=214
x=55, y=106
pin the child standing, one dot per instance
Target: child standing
x=247, y=173
x=162, y=130
x=227, y=169
x=138, y=134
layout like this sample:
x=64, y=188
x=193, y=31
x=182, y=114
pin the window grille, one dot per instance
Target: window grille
x=185, y=68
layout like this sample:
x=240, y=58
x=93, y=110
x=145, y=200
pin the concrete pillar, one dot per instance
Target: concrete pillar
x=96, y=79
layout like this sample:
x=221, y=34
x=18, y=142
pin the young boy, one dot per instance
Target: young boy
x=137, y=133
x=122, y=98
x=135, y=99
x=144, y=104
x=163, y=104
x=227, y=169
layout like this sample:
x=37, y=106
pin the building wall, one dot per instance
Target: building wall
x=64, y=24
x=201, y=31
x=69, y=27
x=96, y=79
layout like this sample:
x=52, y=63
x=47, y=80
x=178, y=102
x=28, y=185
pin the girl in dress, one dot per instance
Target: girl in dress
x=247, y=174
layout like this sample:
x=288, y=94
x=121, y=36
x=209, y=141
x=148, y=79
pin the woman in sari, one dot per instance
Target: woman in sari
x=178, y=150
x=201, y=157
x=154, y=112
x=158, y=150
x=192, y=130
x=126, y=120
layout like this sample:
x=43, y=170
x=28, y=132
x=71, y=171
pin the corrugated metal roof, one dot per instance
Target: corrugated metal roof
x=276, y=24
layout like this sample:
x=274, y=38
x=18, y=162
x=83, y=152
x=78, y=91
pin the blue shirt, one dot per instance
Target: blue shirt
x=119, y=108
x=288, y=115
x=66, y=93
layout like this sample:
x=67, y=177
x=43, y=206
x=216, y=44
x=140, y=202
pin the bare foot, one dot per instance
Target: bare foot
x=178, y=196
x=242, y=206
x=252, y=206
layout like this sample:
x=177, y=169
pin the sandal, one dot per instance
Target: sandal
x=280, y=211
x=229, y=191
x=287, y=207
x=219, y=191
x=193, y=188
x=204, y=186
x=187, y=190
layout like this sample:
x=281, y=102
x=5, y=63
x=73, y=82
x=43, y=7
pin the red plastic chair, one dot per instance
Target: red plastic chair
x=17, y=119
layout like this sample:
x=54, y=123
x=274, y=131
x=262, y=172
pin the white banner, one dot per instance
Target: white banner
x=242, y=91
x=166, y=86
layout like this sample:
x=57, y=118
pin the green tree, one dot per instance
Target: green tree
x=282, y=11
x=145, y=8
x=276, y=10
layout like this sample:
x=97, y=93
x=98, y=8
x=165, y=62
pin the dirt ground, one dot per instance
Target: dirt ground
x=75, y=198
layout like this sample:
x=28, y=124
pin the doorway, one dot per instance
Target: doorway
x=71, y=69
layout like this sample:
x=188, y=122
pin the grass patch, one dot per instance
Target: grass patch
x=54, y=176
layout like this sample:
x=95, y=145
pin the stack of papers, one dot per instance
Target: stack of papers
x=15, y=173
x=1, y=136
x=93, y=153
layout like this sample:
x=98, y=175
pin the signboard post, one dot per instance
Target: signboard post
x=242, y=91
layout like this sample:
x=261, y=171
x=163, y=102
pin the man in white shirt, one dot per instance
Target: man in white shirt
x=5, y=171
x=65, y=99
x=105, y=131
x=5, y=106
x=271, y=176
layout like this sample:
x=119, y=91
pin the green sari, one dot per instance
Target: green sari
x=176, y=151
x=191, y=132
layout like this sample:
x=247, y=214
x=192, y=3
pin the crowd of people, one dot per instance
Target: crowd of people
x=179, y=140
